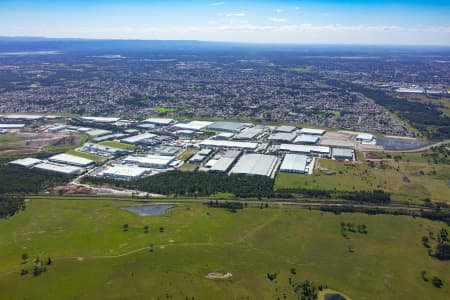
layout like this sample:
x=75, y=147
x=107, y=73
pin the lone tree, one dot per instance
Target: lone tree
x=24, y=256
x=125, y=227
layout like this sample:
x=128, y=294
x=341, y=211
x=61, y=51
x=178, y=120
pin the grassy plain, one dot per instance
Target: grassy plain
x=93, y=258
x=118, y=145
x=87, y=155
x=411, y=178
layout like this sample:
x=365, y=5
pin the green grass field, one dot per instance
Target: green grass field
x=408, y=183
x=93, y=258
x=87, y=155
x=118, y=145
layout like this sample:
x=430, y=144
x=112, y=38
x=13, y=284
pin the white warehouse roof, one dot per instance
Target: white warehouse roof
x=23, y=117
x=282, y=136
x=285, y=128
x=158, y=121
x=229, y=144
x=25, y=162
x=294, y=163
x=155, y=161
x=307, y=139
x=11, y=126
x=365, y=137
x=249, y=133
x=137, y=138
x=255, y=164
x=312, y=131
x=100, y=119
x=71, y=160
x=324, y=150
x=64, y=169
x=124, y=172
x=193, y=125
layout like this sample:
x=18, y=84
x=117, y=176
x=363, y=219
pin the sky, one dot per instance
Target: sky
x=379, y=22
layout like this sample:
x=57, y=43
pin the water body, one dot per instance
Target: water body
x=150, y=210
x=400, y=144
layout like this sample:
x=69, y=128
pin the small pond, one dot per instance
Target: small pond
x=150, y=210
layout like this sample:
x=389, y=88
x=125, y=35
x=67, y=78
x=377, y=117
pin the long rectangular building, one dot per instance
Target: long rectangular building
x=124, y=172
x=63, y=169
x=69, y=159
x=136, y=139
x=322, y=151
x=250, y=133
x=229, y=144
x=150, y=161
x=255, y=164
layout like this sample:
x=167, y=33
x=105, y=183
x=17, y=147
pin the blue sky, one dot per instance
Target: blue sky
x=327, y=22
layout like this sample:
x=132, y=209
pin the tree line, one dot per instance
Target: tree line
x=195, y=183
x=23, y=181
x=434, y=215
x=375, y=196
x=10, y=205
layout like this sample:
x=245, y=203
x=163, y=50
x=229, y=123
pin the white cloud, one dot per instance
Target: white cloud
x=277, y=20
x=246, y=32
x=297, y=8
x=240, y=14
x=279, y=10
x=217, y=4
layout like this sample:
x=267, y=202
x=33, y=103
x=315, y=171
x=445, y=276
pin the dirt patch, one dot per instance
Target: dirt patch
x=80, y=258
x=219, y=276
x=71, y=190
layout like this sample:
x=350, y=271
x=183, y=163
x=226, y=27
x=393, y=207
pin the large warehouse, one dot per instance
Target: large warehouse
x=124, y=172
x=159, y=121
x=227, y=126
x=193, y=125
x=229, y=144
x=294, y=163
x=136, y=139
x=307, y=139
x=343, y=154
x=250, y=133
x=150, y=161
x=63, y=169
x=69, y=159
x=312, y=131
x=283, y=137
x=27, y=162
x=322, y=151
x=99, y=119
x=255, y=164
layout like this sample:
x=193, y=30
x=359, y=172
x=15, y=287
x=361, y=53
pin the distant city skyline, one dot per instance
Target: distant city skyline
x=295, y=22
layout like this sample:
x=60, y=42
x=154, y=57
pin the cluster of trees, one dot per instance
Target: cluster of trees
x=20, y=180
x=195, y=184
x=442, y=248
x=10, y=205
x=434, y=215
x=436, y=281
x=230, y=206
x=39, y=265
x=350, y=227
x=306, y=290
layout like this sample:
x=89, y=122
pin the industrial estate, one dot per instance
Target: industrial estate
x=132, y=149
